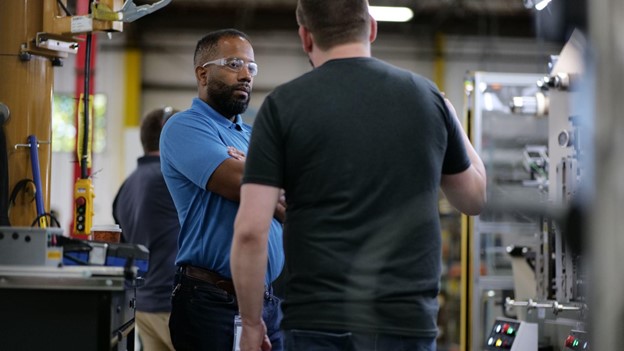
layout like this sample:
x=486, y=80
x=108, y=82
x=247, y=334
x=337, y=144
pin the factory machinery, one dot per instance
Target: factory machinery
x=527, y=284
x=57, y=291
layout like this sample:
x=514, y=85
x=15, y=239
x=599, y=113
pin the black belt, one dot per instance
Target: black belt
x=208, y=276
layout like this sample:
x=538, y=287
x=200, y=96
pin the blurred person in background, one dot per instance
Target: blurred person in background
x=144, y=210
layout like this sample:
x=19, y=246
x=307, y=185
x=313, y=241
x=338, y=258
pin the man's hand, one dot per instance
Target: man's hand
x=280, y=209
x=254, y=337
x=236, y=153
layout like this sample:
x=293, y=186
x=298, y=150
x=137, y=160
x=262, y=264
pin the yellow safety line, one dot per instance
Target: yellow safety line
x=464, y=333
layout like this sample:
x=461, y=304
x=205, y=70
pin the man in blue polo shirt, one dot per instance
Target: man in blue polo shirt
x=202, y=160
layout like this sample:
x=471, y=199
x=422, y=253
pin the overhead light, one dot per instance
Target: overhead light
x=540, y=5
x=391, y=14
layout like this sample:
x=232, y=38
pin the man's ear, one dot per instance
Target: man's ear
x=201, y=74
x=306, y=39
x=373, y=30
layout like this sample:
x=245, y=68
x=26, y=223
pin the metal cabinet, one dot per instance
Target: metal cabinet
x=66, y=308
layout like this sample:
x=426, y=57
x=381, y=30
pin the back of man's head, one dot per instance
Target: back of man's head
x=335, y=22
x=152, y=125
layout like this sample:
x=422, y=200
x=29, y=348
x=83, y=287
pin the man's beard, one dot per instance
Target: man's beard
x=226, y=103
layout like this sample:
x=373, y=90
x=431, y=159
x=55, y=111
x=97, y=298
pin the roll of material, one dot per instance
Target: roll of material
x=525, y=287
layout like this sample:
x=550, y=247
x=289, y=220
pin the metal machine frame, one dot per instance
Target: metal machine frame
x=498, y=137
x=525, y=259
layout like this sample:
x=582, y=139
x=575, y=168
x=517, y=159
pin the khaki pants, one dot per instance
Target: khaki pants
x=153, y=329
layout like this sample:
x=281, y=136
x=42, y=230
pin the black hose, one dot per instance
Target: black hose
x=84, y=171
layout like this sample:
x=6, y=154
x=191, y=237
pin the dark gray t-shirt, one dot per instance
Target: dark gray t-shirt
x=360, y=147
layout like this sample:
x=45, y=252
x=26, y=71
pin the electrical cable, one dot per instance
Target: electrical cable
x=64, y=7
x=84, y=172
x=53, y=219
x=4, y=179
x=73, y=245
x=19, y=186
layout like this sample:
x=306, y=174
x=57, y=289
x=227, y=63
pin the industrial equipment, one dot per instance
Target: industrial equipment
x=68, y=308
x=56, y=292
x=527, y=264
x=501, y=138
x=36, y=36
x=83, y=198
x=577, y=340
x=508, y=334
x=75, y=294
x=31, y=246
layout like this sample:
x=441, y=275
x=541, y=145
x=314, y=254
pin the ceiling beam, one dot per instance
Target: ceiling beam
x=469, y=17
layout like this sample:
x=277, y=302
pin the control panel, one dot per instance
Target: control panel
x=577, y=340
x=83, y=203
x=30, y=246
x=513, y=335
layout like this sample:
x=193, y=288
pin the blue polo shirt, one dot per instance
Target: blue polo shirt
x=193, y=143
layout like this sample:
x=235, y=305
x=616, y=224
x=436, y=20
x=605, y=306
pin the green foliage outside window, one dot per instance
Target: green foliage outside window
x=64, y=127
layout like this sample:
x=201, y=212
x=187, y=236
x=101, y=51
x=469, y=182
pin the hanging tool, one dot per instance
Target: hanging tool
x=83, y=188
x=129, y=12
x=132, y=12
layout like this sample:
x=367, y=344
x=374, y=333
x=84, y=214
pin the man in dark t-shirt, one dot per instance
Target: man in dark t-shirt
x=361, y=149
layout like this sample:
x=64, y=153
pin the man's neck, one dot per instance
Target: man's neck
x=153, y=153
x=350, y=50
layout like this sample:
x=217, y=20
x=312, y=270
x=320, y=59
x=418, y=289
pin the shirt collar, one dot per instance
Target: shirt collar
x=145, y=159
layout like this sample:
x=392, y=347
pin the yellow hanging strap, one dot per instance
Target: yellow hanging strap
x=80, y=130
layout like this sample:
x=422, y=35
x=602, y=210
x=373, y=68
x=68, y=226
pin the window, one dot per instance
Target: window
x=63, y=123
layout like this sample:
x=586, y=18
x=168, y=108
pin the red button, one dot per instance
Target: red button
x=569, y=341
x=81, y=201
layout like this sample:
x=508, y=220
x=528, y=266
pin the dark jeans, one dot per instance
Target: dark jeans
x=202, y=317
x=314, y=340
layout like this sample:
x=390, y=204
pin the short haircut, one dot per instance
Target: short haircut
x=207, y=47
x=335, y=22
x=152, y=125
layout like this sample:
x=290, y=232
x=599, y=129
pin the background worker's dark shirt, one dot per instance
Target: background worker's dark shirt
x=145, y=211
